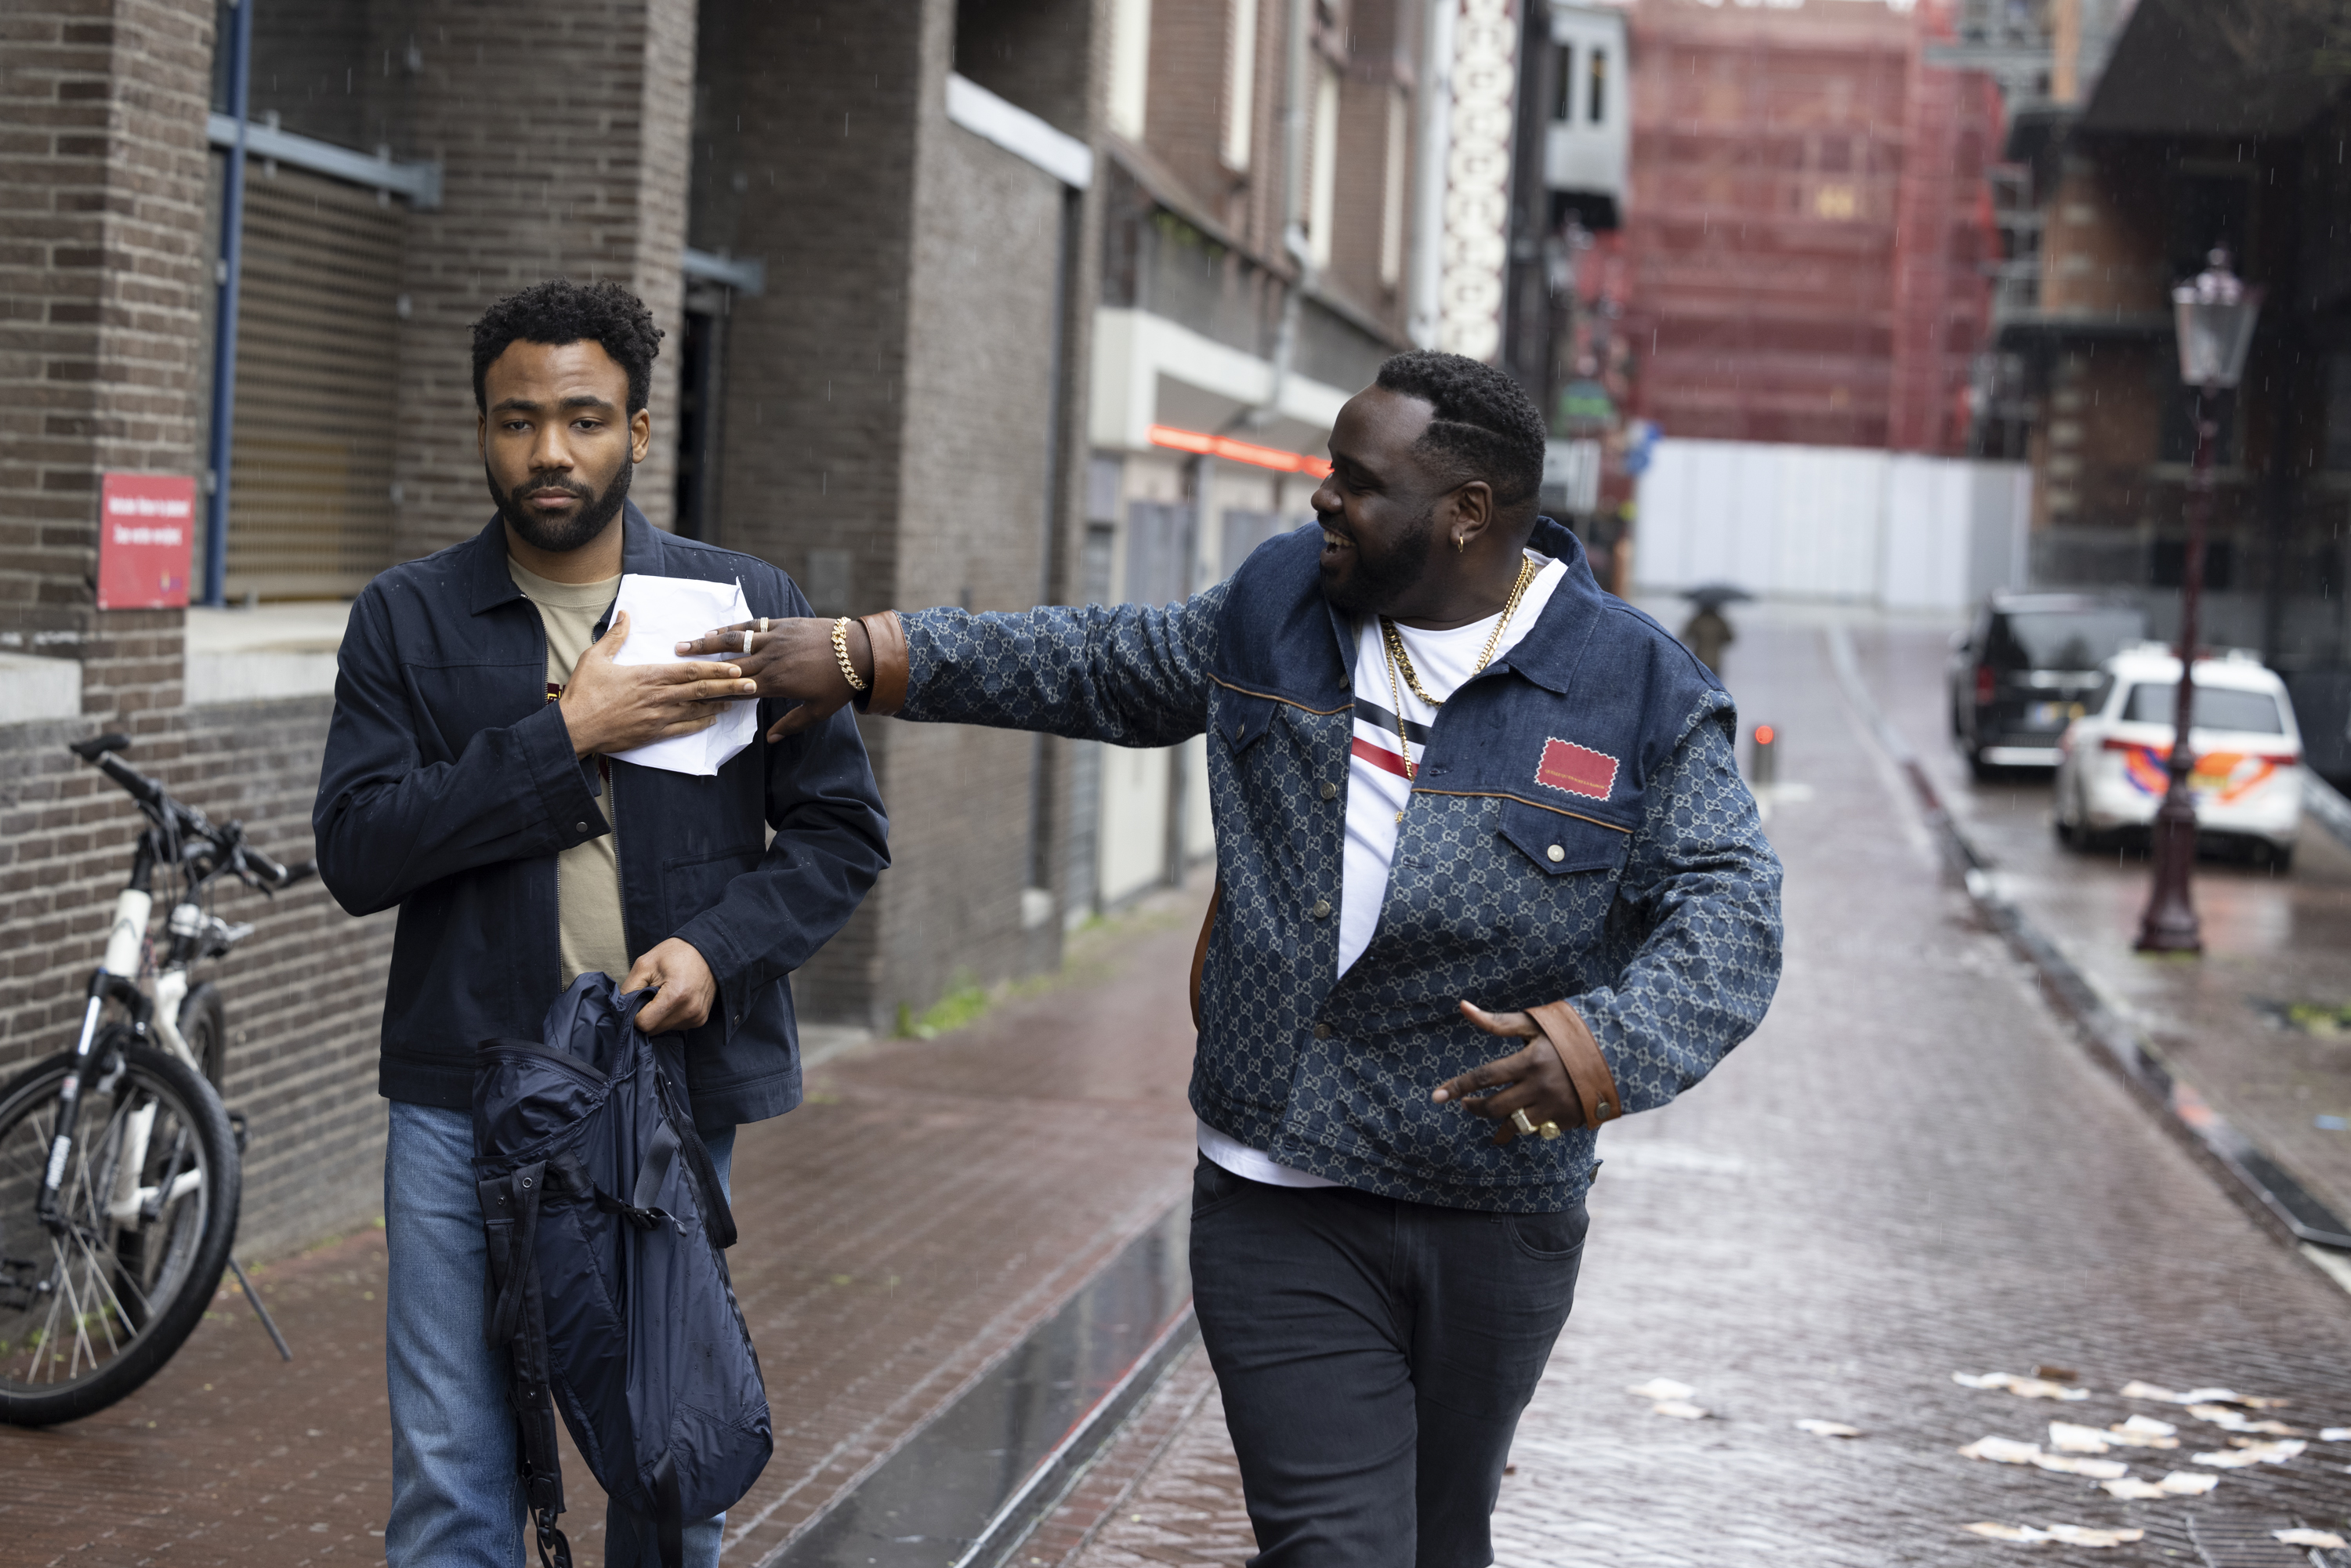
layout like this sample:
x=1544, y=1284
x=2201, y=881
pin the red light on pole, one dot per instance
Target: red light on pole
x=1763, y=756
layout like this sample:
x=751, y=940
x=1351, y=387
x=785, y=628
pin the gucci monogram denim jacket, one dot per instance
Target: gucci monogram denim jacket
x=1578, y=828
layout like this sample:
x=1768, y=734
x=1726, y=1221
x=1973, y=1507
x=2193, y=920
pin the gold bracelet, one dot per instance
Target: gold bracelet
x=841, y=651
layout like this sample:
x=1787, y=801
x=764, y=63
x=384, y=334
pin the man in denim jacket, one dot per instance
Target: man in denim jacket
x=1386, y=1224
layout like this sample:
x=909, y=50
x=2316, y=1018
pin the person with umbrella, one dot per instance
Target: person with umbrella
x=1708, y=631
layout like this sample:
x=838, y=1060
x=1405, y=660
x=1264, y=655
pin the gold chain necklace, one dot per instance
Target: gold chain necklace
x=1400, y=659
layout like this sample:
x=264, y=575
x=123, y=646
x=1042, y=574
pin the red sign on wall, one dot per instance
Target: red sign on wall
x=146, y=527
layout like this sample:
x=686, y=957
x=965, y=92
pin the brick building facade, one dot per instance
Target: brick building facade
x=925, y=294
x=2193, y=127
x=1804, y=239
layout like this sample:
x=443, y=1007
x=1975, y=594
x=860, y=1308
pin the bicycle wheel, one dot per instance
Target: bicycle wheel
x=91, y=1309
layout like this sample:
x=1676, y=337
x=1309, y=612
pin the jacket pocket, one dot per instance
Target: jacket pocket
x=1557, y=844
x=693, y=883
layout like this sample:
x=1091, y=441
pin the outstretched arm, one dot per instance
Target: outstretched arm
x=1132, y=674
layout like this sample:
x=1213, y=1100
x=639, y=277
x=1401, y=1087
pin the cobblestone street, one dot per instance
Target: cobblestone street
x=1912, y=1170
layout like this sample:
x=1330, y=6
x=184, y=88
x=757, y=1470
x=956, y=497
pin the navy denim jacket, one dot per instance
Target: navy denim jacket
x=449, y=786
x=1578, y=830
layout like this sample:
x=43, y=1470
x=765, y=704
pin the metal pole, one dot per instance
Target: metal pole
x=2169, y=923
x=232, y=260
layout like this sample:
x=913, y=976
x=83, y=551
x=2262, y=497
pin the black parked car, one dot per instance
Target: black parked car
x=2025, y=670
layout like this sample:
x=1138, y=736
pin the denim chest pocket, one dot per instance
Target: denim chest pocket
x=1243, y=720
x=1559, y=845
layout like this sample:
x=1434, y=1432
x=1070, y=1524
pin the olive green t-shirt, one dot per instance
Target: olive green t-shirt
x=588, y=875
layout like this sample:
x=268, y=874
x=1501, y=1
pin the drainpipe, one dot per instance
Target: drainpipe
x=231, y=259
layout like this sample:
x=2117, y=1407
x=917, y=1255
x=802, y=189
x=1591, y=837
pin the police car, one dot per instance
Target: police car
x=2246, y=782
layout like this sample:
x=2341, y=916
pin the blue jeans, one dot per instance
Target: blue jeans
x=456, y=1500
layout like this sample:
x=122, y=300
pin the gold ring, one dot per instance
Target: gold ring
x=1548, y=1130
x=1524, y=1123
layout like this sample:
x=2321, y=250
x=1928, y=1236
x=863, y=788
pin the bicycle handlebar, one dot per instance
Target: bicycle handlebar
x=251, y=864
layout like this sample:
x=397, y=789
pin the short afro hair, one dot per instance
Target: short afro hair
x=1483, y=427
x=561, y=311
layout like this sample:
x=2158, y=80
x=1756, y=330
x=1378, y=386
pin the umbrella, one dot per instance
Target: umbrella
x=1714, y=595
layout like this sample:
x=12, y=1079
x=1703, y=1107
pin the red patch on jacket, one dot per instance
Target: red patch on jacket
x=1578, y=770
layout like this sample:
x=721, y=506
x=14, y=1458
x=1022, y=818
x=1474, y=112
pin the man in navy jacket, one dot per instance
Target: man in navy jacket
x=1460, y=792
x=469, y=781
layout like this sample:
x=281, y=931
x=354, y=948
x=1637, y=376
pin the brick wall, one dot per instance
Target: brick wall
x=103, y=169
x=980, y=330
x=102, y=285
x=887, y=404
x=106, y=277
x=2101, y=254
x=102, y=275
x=305, y=991
x=1184, y=114
x=583, y=176
x=806, y=162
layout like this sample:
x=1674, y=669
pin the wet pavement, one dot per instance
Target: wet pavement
x=902, y=1233
x=1913, y=1169
x=2273, y=942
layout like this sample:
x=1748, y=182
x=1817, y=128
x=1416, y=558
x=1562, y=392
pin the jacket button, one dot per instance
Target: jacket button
x=1330, y=790
x=1321, y=908
x=1321, y=1031
x=579, y=827
x=1556, y=854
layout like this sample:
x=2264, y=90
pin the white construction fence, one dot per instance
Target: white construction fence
x=1893, y=529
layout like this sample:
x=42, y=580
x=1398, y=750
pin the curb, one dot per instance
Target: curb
x=2325, y=803
x=965, y=1485
x=2289, y=1207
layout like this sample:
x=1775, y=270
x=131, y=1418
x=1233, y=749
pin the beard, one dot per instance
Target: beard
x=557, y=535
x=1369, y=585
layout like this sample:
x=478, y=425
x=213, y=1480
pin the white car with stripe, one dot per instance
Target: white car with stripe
x=2247, y=778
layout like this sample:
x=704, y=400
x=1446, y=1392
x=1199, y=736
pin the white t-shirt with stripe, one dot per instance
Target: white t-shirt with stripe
x=1388, y=721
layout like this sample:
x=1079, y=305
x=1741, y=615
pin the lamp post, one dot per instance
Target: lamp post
x=2214, y=313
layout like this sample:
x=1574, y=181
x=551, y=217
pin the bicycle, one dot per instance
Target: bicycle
x=119, y=1178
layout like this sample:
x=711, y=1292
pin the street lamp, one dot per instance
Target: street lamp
x=2214, y=314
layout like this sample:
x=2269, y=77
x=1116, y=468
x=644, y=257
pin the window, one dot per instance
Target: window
x=1130, y=65
x=1595, y=106
x=1240, y=82
x=2061, y=639
x=1564, y=110
x=2217, y=707
x=1324, y=183
x=1392, y=194
x=1158, y=552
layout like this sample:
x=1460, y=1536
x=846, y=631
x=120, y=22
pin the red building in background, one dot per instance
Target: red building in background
x=1802, y=247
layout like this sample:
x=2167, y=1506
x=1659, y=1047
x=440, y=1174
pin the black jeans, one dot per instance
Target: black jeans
x=1375, y=1356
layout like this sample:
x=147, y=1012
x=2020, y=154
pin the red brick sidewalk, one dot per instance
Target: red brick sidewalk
x=929, y=1205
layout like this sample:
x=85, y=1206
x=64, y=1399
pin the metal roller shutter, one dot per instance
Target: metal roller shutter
x=310, y=473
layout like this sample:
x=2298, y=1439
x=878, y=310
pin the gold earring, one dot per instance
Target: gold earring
x=1460, y=543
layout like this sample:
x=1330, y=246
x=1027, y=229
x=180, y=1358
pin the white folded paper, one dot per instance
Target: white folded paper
x=663, y=612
